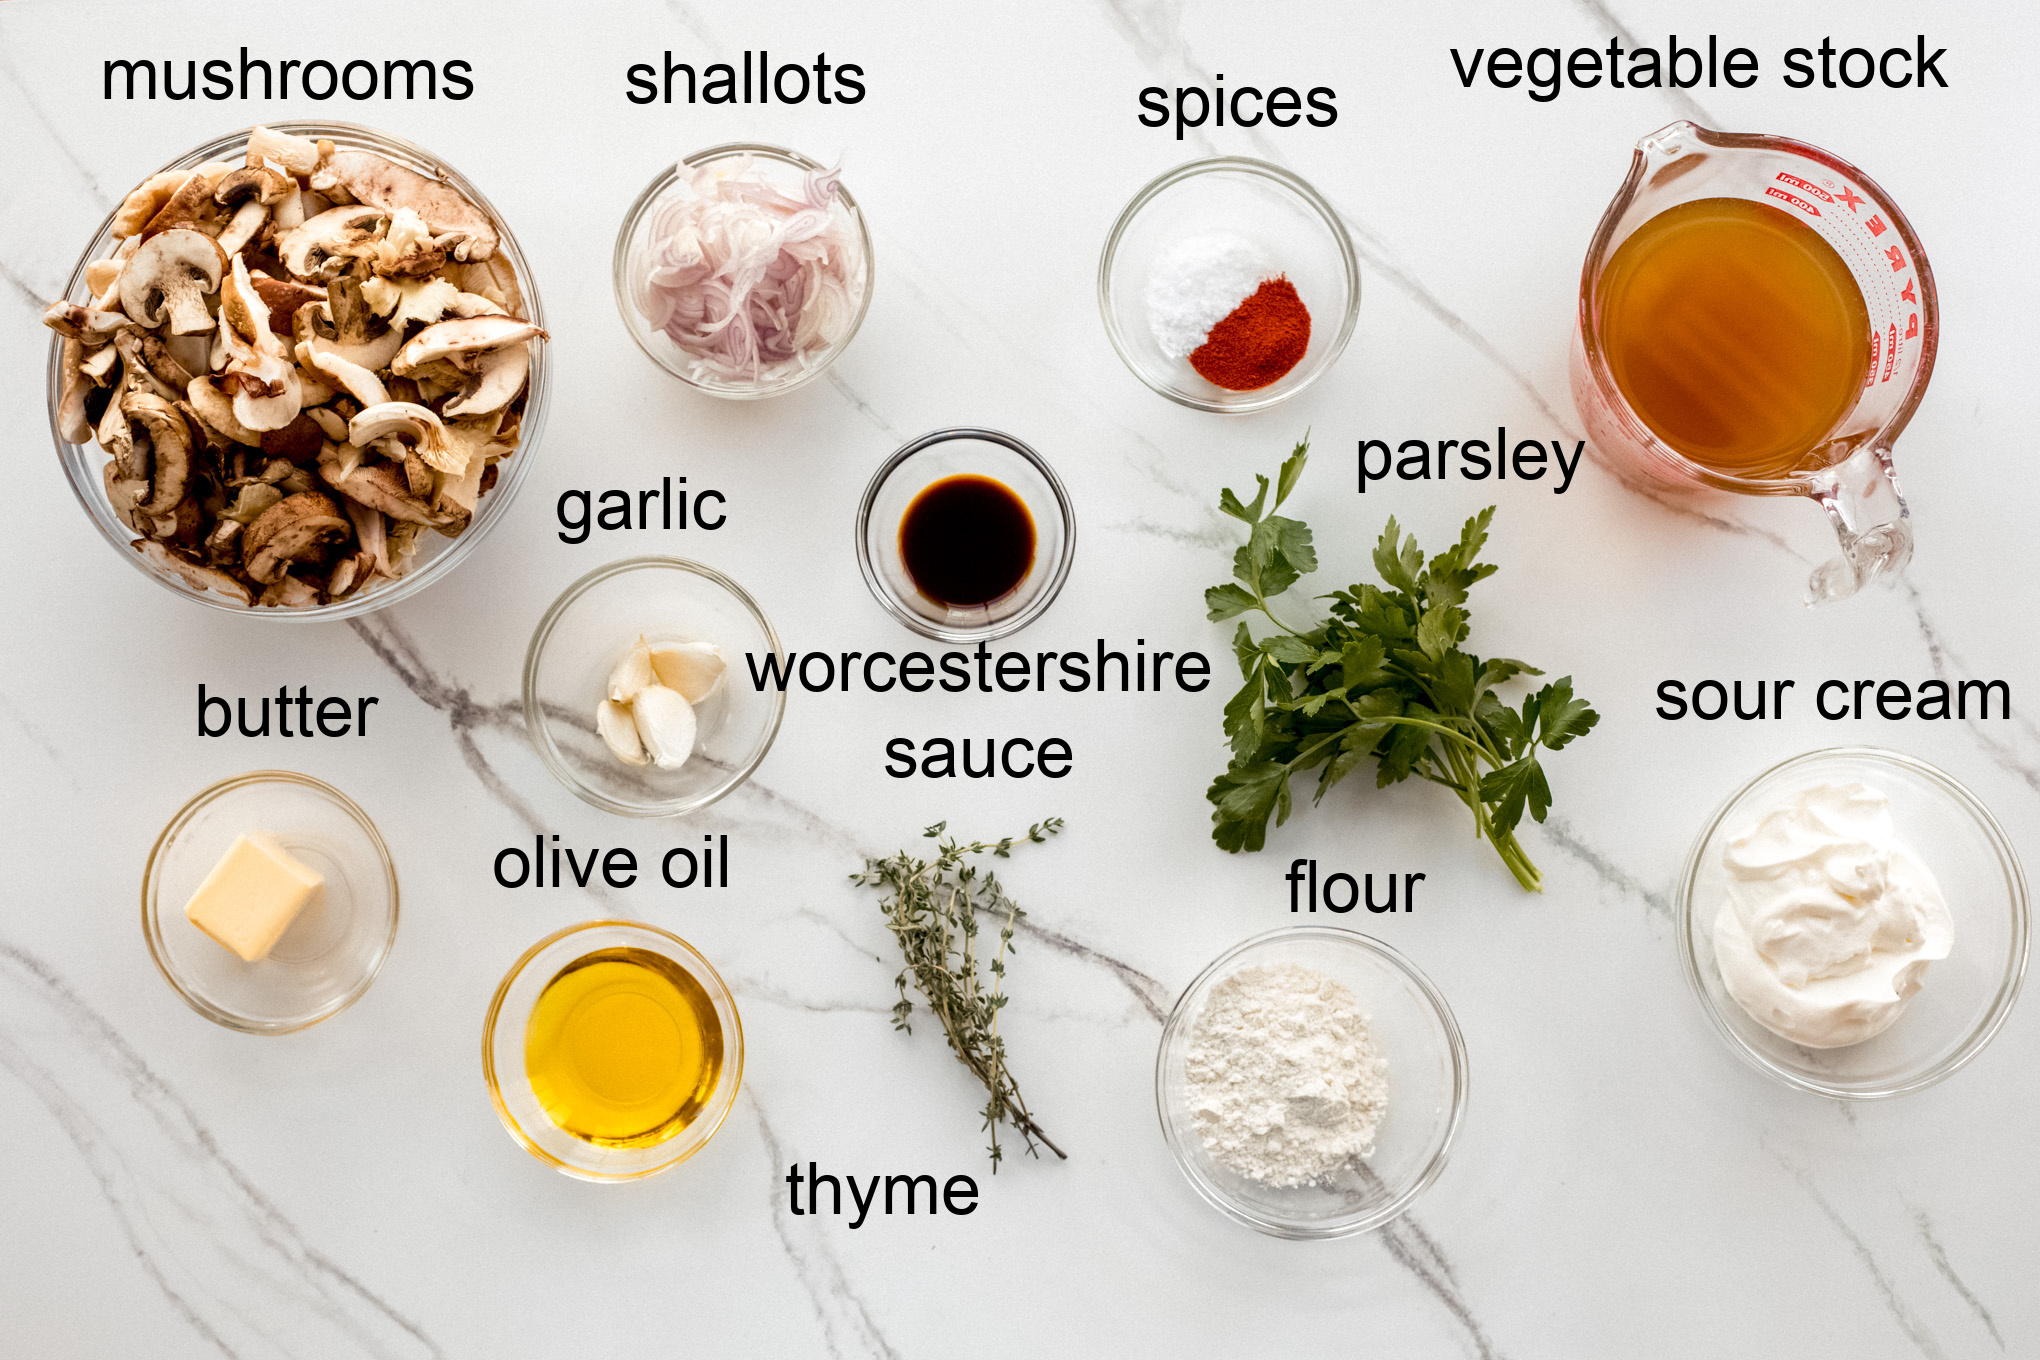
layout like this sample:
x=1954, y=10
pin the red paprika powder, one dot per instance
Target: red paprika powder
x=1259, y=341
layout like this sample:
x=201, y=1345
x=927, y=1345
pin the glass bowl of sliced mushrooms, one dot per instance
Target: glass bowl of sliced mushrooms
x=298, y=371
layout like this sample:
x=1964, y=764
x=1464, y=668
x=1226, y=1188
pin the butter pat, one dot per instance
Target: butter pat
x=251, y=896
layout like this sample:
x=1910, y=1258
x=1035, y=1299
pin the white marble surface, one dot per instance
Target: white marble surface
x=1623, y=1183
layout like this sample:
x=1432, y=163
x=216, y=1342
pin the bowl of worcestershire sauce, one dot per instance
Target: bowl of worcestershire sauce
x=965, y=535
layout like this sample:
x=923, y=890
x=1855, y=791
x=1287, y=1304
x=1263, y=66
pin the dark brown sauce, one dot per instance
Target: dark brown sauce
x=967, y=540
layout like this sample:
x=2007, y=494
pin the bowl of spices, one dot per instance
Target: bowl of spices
x=1228, y=285
x=1855, y=923
x=612, y=1051
x=744, y=270
x=1310, y=1082
x=965, y=535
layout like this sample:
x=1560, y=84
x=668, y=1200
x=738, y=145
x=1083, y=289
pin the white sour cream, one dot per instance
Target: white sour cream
x=1830, y=921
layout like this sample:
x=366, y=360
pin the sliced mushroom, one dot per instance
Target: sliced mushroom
x=89, y=325
x=331, y=422
x=349, y=573
x=454, y=340
x=98, y=364
x=296, y=155
x=169, y=441
x=117, y=437
x=322, y=247
x=299, y=441
x=457, y=225
x=283, y=298
x=191, y=208
x=216, y=410
x=356, y=381
x=151, y=365
x=142, y=204
x=103, y=276
x=381, y=486
x=170, y=278
x=421, y=300
x=195, y=574
x=406, y=421
x=74, y=426
x=499, y=375
x=289, y=592
x=295, y=529
x=264, y=380
x=252, y=191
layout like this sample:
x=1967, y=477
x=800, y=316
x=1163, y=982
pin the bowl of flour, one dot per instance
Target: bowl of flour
x=1310, y=1082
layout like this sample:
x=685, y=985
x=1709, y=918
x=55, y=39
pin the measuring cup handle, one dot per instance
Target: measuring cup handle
x=1862, y=499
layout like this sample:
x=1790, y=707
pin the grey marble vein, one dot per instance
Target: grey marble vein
x=228, y=1262
x=1561, y=833
x=1414, y=1250
x=847, y=1325
x=1681, y=100
x=1887, y=1290
x=1946, y=663
x=50, y=127
x=863, y=407
x=1938, y=1254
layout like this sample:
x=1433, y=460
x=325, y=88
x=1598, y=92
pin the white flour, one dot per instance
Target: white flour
x=1284, y=1080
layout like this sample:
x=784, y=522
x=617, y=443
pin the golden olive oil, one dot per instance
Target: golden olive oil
x=623, y=1048
x=1735, y=333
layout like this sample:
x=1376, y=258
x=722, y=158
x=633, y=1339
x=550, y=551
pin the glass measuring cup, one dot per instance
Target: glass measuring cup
x=1849, y=472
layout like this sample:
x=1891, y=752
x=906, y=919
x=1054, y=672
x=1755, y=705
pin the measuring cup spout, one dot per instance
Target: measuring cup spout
x=1863, y=502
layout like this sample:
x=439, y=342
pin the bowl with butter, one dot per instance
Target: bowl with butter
x=1854, y=922
x=270, y=902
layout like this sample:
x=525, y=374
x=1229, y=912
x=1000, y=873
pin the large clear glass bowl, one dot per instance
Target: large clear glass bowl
x=437, y=554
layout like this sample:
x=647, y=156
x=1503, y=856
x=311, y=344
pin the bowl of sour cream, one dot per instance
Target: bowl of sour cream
x=1855, y=923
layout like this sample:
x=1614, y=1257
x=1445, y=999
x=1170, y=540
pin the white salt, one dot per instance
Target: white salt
x=1196, y=283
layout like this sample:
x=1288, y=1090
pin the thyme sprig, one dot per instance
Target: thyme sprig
x=933, y=913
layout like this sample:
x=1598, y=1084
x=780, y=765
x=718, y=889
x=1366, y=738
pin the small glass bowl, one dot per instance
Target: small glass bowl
x=510, y=1086
x=1966, y=996
x=955, y=453
x=590, y=627
x=334, y=949
x=1281, y=214
x=1427, y=1087
x=631, y=244
x=437, y=555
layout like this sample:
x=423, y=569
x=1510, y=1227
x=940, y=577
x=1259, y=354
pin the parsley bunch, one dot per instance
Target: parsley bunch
x=1383, y=679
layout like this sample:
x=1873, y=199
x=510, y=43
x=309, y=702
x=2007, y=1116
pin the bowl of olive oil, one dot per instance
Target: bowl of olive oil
x=612, y=1050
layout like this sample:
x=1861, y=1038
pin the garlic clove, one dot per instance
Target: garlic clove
x=665, y=721
x=693, y=668
x=632, y=673
x=619, y=733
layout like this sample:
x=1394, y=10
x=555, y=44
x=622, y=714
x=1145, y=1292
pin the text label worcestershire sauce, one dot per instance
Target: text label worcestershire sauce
x=1735, y=333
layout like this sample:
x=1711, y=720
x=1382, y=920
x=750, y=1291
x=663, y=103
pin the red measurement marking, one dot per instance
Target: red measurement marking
x=1775, y=192
x=1893, y=254
x=1912, y=325
x=1907, y=292
x=1849, y=197
x=1876, y=225
x=1891, y=357
x=1876, y=348
x=1798, y=183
